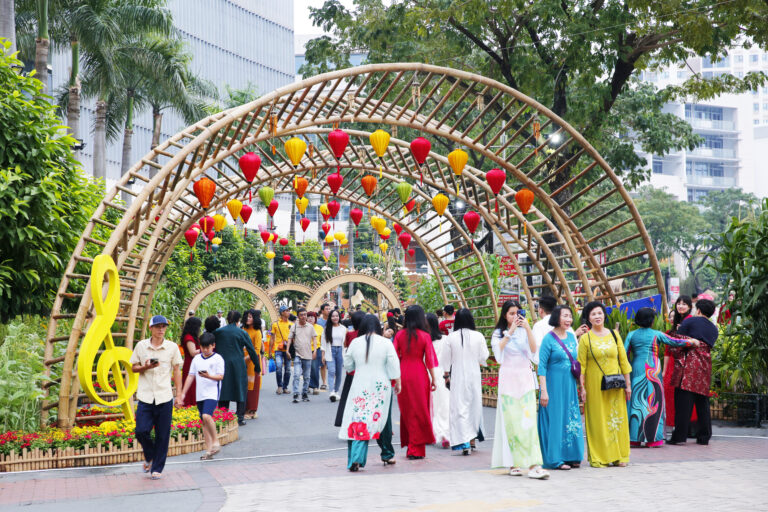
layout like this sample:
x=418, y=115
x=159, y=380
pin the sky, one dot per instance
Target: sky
x=301, y=22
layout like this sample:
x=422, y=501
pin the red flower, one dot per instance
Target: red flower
x=358, y=431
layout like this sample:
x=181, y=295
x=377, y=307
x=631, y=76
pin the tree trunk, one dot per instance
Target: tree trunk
x=42, y=44
x=125, y=161
x=73, y=101
x=8, y=22
x=100, y=141
x=157, y=125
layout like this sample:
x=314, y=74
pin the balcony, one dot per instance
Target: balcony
x=709, y=124
x=714, y=152
x=711, y=181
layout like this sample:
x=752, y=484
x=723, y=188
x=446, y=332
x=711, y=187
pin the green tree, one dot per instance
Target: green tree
x=45, y=198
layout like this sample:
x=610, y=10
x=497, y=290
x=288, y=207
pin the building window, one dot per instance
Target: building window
x=753, y=59
x=682, y=74
x=658, y=166
x=755, y=107
x=696, y=195
x=739, y=74
x=739, y=59
x=756, y=121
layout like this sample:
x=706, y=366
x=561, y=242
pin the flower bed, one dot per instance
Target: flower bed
x=490, y=382
x=110, y=442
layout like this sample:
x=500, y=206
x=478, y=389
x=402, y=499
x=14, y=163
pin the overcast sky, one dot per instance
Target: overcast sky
x=301, y=22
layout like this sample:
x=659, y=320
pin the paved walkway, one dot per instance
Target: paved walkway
x=291, y=459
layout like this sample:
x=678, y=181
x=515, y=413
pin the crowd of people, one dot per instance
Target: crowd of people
x=431, y=363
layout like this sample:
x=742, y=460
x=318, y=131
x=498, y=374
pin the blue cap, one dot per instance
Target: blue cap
x=283, y=308
x=157, y=320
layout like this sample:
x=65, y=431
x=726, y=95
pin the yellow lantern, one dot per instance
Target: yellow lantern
x=295, y=148
x=219, y=221
x=269, y=254
x=339, y=235
x=344, y=241
x=234, y=206
x=383, y=246
x=329, y=238
x=216, y=241
x=301, y=204
x=324, y=209
x=380, y=141
x=440, y=203
x=272, y=237
x=379, y=224
x=386, y=232
x=457, y=160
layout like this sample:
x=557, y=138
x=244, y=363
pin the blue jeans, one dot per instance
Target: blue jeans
x=314, y=372
x=283, y=373
x=301, y=369
x=335, y=368
x=159, y=417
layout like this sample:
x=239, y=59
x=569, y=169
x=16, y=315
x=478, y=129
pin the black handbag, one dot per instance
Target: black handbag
x=615, y=381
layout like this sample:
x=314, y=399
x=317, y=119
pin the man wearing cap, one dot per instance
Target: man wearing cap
x=279, y=347
x=230, y=342
x=222, y=321
x=155, y=360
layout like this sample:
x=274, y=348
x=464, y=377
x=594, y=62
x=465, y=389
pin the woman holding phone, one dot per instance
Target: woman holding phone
x=516, y=443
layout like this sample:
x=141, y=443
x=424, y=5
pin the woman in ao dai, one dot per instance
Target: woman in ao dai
x=441, y=395
x=463, y=352
x=516, y=440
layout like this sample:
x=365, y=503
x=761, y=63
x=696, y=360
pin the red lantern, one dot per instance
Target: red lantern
x=208, y=237
x=272, y=208
x=326, y=228
x=404, y=239
x=471, y=220
x=524, y=200
x=420, y=149
x=304, y=224
x=398, y=228
x=338, y=139
x=385, y=237
x=369, y=184
x=249, y=163
x=335, y=181
x=283, y=242
x=191, y=236
x=245, y=214
x=204, y=189
x=496, y=179
x=410, y=205
x=286, y=258
x=206, y=223
x=411, y=252
x=356, y=214
x=265, y=236
x=333, y=207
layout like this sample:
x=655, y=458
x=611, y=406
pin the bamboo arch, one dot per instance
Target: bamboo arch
x=231, y=282
x=574, y=237
x=386, y=289
x=289, y=286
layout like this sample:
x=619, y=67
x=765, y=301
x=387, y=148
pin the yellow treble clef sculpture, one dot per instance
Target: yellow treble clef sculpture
x=101, y=331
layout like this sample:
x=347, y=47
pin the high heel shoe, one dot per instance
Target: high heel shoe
x=389, y=462
x=354, y=467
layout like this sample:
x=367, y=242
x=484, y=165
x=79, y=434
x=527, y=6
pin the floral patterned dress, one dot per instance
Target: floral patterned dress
x=605, y=412
x=367, y=407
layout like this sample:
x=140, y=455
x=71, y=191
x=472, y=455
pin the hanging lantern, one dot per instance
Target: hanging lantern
x=269, y=255
x=339, y=236
x=295, y=148
x=326, y=254
x=471, y=220
x=286, y=258
x=410, y=205
x=457, y=159
x=333, y=208
x=266, y=194
x=404, y=239
x=326, y=228
x=305, y=222
x=404, y=191
x=324, y=211
x=378, y=224
x=329, y=239
x=283, y=242
x=369, y=184
x=356, y=214
x=249, y=163
x=398, y=228
x=207, y=224
x=301, y=205
x=344, y=241
x=245, y=214
x=300, y=185
x=208, y=237
x=234, y=206
x=420, y=149
x=385, y=233
x=335, y=181
x=265, y=236
x=191, y=237
x=272, y=208
x=440, y=203
x=219, y=221
x=196, y=227
x=216, y=241
x=524, y=199
x=412, y=253
x=338, y=140
x=204, y=189
x=379, y=141
x=496, y=179
x=383, y=246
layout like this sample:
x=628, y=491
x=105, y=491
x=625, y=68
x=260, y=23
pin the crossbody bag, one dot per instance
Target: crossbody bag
x=575, y=365
x=615, y=381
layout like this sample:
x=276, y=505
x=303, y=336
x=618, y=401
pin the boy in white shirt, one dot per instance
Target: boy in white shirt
x=208, y=370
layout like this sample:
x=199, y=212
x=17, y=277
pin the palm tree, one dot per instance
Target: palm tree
x=42, y=44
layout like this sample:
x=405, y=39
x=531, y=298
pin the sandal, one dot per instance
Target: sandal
x=538, y=473
x=207, y=456
x=516, y=472
x=354, y=467
x=147, y=466
x=621, y=464
x=575, y=465
x=564, y=467
x=156, y=476
x=215, y=449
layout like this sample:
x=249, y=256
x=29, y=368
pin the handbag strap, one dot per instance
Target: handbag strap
x=593, y=354
x=567, y=352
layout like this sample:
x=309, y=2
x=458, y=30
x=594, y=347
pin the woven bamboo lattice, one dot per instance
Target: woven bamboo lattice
x=576, y=236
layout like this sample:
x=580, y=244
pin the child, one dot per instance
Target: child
x=208, y=370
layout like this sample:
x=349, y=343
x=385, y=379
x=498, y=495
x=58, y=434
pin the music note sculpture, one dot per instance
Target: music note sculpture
x=100, y=331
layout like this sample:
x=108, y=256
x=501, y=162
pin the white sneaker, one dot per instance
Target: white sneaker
x=538, y=473
x=333, y=397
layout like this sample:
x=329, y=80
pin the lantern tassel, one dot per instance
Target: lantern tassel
x=457, y=187
x=190, y=257
x=245, y=232
x=380, y=171
x=497, y=205
x=525, y=228
x=250, y=196
x=421, y=178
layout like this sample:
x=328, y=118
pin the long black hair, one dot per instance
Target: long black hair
x=434, y=326
x=464, y=320
x=415, y=319
x=368, y=326
x=256, y=315
x=502, y=324
x=192, y=327
x=357, y=318
x=677, y=318
x=329, y=326
x=212, y=323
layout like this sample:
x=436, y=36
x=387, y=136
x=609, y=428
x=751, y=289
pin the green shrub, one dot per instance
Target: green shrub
x=21, y=374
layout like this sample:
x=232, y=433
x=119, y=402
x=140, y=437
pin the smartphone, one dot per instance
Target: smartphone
x=521, y=313
x=201, y=372
x=153, y=360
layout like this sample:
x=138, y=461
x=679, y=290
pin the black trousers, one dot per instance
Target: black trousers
x=240, y=409
x=685, y=401
x=157, y=416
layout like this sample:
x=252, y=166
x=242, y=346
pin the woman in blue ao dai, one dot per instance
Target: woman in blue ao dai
x=559, y=421
x=646, y=407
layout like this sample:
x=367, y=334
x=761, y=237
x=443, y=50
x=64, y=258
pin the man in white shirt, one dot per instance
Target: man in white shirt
x=222, y=320
x=155, y=359
x=541, y=328
x=302, y=338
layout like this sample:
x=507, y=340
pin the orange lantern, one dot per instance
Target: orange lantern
x=204, y=189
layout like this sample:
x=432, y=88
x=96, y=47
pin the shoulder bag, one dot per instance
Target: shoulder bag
x=575, y=365
x=609, y=382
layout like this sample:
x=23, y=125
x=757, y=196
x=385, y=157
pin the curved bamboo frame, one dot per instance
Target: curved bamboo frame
x=495, y=124
x=231, y=282
x=329, y=284
x=289, y=286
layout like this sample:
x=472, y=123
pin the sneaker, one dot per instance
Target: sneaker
x=316, y=391
x=538, y=473
x=304, y=398
x=295, y=399
x=279, y=391
x=323, y=387
x=333, y=397
x=286, y=391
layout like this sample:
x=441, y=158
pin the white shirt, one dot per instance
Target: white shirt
x=207, y=389
x=541, y=329
x=222, y=321
x=155, y=383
